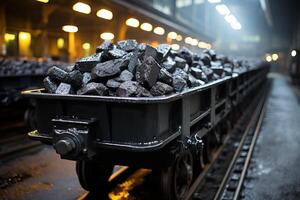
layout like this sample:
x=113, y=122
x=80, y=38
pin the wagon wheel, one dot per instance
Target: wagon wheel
x=177, y=179
x=93, y=176
x=199, y=161
x=30, y=118
x=207, y=151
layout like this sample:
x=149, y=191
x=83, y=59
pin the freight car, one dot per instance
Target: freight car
x=173, y=133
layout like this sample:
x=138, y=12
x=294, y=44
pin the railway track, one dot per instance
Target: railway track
x=14, y=142
x=229, y=163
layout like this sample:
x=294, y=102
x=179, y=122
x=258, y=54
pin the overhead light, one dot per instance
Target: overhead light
x=86, y=46
x=107, y=36
x=268, y=58
x=43, y=1
x=146, y=26
x=214, y=1
x=208, y=46
x=82, y=8
x=202, y=45
x=132, y=22
x=105, y=14
x=24, y=35
x=274, y=56
x=188, y=40
x=70, y=28
x=159, y=30
x=230, y=19
x=60, y=43
x=9, y=37
x=178, y=37
x=223, y=9
x=293, y=53
x=175, y=46
x=172, y=35
x=236, y=25
x=194, y=42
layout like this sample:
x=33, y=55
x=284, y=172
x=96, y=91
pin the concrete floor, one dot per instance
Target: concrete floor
x=274, y=171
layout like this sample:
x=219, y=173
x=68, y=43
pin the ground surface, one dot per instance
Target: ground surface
x=274, y=172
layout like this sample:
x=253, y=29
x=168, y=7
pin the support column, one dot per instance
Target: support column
x=2, y=30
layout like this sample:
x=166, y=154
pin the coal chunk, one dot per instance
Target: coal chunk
x=86, y=78
x=75, y=78
x=109, y=68
x=186, y=54
x=127, y=45
x=212, y=54
x=193, y=82
x=152, y=52
x=208, y=72
x=64, y=88
x=125, y=76
x=116, y=53
x=227, y=71
x=50, y=85
x=147, y=73
x=169, y=65
x=163, y=50
x=142, y=92
x=179, y=62
x=179, y=83
x=181, y=73
x=142, y=47
x=57, y=74
x=93, y=88
x=86, y=64
x=205, y=58
x=161, y=89
x=196, y=72
x=113, y=84
x=127, y=89
x=218, y=70
x=134, y=61
x=165, y=76
x=105, y=46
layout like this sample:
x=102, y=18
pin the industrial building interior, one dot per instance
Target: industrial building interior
x=149, y=99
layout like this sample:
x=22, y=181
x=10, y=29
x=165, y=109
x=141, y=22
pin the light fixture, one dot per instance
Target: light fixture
x=178, y=37
x=60, y=43
x=188, y=40
x=293, y=53
x=107, y=36
x=194, y=42
x=132, y=22
x=202, y=45
x=70, y=28
x=43, y=1
x=105, y=14
x=274, y=56
x=24, y=35
x=86, y=46
x=236, y=25
x=230, y=19
x=159, y=30
x=214, y=1
x=175, y=46
x=223, y=9
x=268, y=58
x=146, y=26
x=208, y=46
x=172, y=35
x=9, y=37
x=82, y=8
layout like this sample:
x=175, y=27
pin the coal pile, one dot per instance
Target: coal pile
x=18, y=67
x=130, y=69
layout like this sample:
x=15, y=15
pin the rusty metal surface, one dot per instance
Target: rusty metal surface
x=274, y=170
